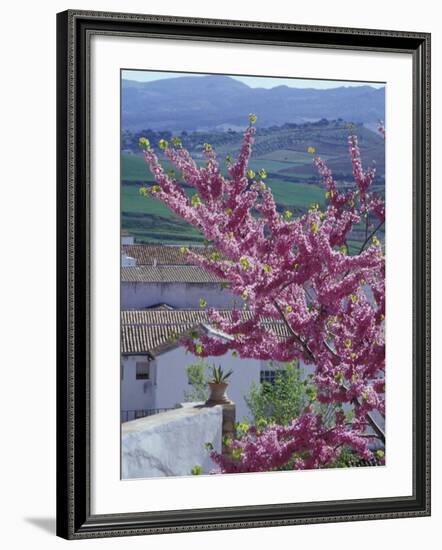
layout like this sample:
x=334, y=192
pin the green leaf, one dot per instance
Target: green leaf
x=195, y=200
x=144, y=143
x=244, y=262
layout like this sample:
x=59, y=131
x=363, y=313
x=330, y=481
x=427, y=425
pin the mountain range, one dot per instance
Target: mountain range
x=217, y=102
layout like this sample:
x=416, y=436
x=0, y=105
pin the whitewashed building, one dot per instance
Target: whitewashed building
x=152, y=274
x=179, y=286
x=160, y=296
x=153, y=366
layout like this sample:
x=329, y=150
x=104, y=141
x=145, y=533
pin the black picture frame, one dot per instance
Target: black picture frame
x=74, y=518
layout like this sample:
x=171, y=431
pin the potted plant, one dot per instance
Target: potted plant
x=218, y=384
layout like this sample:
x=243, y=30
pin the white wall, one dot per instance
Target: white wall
x=136, y=394
x=168, y=383
x=141, y=295
x=172, y=378
x=171, y=443
x=28, y=144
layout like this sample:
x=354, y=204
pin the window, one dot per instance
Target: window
x=267, y=376
x=142, y=370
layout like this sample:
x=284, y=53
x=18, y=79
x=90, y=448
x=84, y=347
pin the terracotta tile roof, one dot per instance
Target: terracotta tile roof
x=146, y=254
x=154, y=330
x=148, y=339
x=169, y=316
x=167, y=274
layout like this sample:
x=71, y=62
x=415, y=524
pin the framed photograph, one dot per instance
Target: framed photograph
x=243, y=274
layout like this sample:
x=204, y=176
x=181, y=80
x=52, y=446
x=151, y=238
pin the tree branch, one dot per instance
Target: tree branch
x=380, y=224
x=335, y=355
x=376, y=428
x=292, y=332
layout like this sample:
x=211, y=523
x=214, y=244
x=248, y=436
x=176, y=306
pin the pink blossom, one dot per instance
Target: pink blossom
x=298, y=274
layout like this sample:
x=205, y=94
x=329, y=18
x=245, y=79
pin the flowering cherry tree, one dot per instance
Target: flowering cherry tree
x=295, y=270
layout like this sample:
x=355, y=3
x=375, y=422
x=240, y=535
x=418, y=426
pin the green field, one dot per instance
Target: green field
x=151, y=221
x=134, y=168
x=281, y=152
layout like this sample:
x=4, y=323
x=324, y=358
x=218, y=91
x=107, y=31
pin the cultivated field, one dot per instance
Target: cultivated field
x=282, y=152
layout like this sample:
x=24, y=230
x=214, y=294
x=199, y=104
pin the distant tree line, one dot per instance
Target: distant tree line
x=193, y=141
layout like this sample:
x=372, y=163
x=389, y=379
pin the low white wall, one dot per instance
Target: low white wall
x=171, y=443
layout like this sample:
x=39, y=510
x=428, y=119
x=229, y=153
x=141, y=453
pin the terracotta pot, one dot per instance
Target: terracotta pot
x=217, y=394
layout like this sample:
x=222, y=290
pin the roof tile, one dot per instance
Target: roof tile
x=152, y=254
x=167, y=274
x=149, y=330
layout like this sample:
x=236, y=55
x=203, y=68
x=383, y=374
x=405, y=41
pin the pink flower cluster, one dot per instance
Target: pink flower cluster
x=305, y=444
x=294, y=270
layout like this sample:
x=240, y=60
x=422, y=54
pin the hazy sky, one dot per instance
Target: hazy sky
x=252, y=81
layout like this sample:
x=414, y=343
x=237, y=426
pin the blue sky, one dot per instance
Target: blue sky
x=253, y=81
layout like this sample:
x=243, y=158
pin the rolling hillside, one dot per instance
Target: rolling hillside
x=281, y=151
